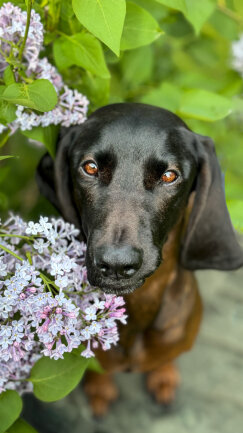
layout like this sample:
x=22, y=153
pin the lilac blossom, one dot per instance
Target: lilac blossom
x=237, y=55
x=47, y=306
x=12, y=29
x=72, y=106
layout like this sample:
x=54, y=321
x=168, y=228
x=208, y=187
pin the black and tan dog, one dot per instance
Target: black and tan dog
x=147, y=195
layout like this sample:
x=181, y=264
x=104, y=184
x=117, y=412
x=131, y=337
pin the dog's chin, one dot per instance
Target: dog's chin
x=120, y=289
x=117, y=287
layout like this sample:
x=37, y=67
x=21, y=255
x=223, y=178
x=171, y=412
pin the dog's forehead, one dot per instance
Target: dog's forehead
x=134, y=130
x=145, y=138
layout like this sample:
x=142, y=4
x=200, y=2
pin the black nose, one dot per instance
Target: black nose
x=119, y=262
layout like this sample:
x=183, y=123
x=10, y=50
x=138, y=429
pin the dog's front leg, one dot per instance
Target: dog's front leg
x=101, y=392
x=162, y=383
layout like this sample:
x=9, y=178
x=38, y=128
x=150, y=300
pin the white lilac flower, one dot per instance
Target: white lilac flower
x=237, y=55
x=72, y=106
x=36, y=320
x=12, y=25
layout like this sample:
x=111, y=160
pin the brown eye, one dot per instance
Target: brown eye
x=90, y=168
x=169, y=176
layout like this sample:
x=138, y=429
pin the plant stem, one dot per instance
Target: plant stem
x=230, y=13
x=7, y=235
x=6, y=135
x=29, y=6
x=11, y=252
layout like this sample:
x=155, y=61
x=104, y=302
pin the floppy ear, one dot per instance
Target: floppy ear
x=54, y=180
x=210, y=241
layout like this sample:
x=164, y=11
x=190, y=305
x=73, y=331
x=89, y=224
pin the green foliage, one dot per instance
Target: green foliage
x=81, y=49
x=236, y=212
x=7, y=111
x=10, y=408
x=196, y=12
x=166, y=96
x=5, y=157
x=140, y=28
x=8, y=76
x=54, y=379
x=47, y=136
x=204, y=105
x=103, y=18
x=94, y=365
x=39, y=95
x=21, y=426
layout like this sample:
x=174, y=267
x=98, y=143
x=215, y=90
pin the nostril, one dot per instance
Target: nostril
x=128, y=271
x=104, y=269
x=118, y=262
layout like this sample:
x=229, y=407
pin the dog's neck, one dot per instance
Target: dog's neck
x=143, y=303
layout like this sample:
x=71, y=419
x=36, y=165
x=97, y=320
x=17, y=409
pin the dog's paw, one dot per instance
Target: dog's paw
x=101, y=392
x=162, y=383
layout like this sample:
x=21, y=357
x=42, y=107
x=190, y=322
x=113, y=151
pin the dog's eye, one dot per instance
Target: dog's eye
x=169, y=176
x=90, y=168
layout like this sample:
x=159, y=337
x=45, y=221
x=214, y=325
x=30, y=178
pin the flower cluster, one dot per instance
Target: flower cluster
x=47, y=306
x=72, y=106
x=237, y=53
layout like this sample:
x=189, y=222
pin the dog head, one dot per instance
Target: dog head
x=124, y=178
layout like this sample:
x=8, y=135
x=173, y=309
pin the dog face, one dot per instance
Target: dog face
x=125, y=177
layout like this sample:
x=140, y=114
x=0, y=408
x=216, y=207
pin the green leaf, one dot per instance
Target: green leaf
x=4, y=201
x=81, y=49
x=198, y=12
x=238, y=5
x=155, y=9
x=96, y=89
x=179, y=5
x=8, y=76
x=204, y=105
x=236, y=213
x=103, y=18
x=94, y=365
x=140, y=28
x=6, y=157
x=195, y=11
x=47, y=136
x=134, y=69
x=21, y=426
x=39, y=95
x=7, y=112
x=166, y=96
x=54, y=379
x=10, y=408
x=4, y=137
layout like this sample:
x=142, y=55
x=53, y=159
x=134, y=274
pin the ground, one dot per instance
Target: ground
x=210, y=399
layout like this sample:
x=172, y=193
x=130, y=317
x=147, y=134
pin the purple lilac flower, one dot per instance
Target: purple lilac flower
x=47, y=306
x=12, y=29
x=72, y=106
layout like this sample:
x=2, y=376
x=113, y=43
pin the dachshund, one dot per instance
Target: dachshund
x=147, y=195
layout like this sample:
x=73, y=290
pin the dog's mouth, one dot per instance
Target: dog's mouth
x=120, y=289
x=117, y=286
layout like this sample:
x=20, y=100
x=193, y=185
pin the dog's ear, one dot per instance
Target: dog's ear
x=54, y=179
x=209, y=241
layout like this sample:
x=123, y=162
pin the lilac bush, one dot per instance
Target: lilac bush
x=47, y=306
x=72, y=106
